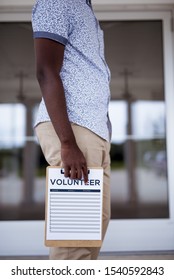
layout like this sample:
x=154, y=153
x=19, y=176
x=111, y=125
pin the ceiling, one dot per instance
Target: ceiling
x=133, y=50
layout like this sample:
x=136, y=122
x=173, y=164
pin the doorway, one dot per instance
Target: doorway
x=139, y=180
x=140, y=58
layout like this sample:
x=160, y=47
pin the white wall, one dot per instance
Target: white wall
x=95, y=2
x=131, y=2
x=16, y=2
x=127, y=2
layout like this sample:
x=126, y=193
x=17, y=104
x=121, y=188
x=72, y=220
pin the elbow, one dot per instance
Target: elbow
x=41, y=75
x=46, y=75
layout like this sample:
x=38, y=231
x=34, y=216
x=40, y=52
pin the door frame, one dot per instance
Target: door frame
x=122, y=235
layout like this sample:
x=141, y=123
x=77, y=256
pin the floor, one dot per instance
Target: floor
x=108, y=256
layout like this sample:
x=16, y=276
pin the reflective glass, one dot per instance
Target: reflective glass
x=139, y=186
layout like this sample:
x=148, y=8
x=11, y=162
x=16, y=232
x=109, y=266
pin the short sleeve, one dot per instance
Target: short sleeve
x=50, y=19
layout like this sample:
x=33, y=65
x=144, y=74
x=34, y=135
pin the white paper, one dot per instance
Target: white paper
x=74, y=210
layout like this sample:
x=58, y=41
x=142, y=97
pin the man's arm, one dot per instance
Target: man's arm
x=49, y=60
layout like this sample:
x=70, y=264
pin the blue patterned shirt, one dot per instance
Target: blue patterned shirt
x=85, y=74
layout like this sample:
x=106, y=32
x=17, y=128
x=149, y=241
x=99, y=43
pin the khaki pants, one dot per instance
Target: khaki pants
x=96, y=152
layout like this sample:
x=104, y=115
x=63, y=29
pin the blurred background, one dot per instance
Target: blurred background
x=139, y=178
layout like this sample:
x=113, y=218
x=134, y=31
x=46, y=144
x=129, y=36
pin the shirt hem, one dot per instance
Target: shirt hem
x=76, y=123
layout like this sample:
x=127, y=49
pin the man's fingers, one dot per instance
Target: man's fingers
x=73, y=174
x=85, y=173
x=79, y=173
x=76, y=173
x=74, y=163
x=67, y=171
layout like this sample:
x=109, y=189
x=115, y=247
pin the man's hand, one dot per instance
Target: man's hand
x=74, y=163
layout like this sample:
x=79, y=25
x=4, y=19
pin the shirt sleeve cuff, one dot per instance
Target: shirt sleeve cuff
x=52, y=36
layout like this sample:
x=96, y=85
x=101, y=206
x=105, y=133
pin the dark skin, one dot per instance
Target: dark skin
x=49, y=60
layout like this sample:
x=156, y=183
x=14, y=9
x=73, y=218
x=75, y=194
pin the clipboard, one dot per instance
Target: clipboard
x=73, y=210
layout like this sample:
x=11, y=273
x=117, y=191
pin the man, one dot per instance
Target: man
x=72, y=124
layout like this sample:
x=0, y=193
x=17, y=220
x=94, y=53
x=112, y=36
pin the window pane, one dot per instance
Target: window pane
x=139, y=187
x=22, y=166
